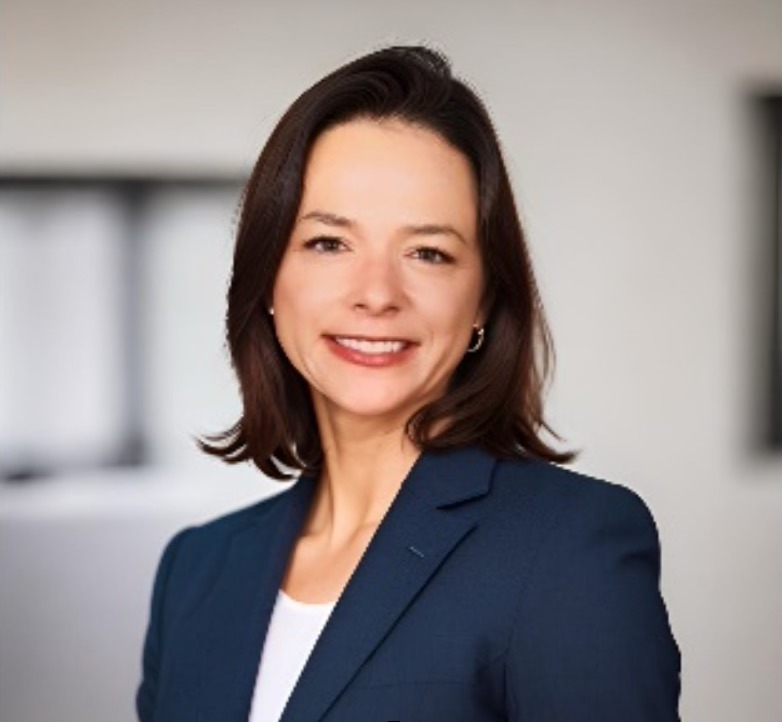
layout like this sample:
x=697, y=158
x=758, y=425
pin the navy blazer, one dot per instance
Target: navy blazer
x=492, y=590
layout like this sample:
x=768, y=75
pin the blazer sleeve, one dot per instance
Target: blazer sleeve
x=591, y=640
x=146, y=694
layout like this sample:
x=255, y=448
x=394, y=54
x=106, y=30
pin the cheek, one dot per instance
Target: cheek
x=306, y=288
x=290, y=295
x=300, y=302
x=450, y=310
x=287, y=311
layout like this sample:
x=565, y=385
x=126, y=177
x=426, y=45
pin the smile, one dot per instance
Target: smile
x=367, y=346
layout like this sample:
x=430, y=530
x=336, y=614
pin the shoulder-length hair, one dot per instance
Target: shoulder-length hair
x=495, y=396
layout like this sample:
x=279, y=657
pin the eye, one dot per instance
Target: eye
x=324, y=244
x=432, y=255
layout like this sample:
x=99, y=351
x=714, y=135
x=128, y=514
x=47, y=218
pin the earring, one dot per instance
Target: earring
x=480, y=330
x=271, y=311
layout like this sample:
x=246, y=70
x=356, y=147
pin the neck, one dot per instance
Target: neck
x=364, y=466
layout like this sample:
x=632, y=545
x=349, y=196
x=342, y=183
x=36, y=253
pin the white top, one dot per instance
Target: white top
x=293, y=630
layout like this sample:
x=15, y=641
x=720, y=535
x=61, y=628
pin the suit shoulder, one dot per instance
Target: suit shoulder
x=228, y=524
x=556, y=487
x=589, y=609
x=194, y=555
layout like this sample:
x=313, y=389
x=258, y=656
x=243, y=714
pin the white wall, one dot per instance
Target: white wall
x=627, y=129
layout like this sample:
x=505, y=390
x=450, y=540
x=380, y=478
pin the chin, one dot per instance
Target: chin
x=379, y=408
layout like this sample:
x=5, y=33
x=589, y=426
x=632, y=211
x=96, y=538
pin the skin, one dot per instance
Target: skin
x=385, y=246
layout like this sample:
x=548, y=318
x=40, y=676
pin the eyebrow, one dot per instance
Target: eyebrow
x=330, y=219
x=424, y=229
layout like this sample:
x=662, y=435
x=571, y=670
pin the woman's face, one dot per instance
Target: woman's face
x=381, y=281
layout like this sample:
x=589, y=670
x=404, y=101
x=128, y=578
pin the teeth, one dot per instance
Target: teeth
x=371, y=347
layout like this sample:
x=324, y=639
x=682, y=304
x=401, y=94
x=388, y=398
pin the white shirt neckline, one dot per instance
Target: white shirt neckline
x=305, y=606
x=293, y=630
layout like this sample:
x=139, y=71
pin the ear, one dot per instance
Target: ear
x=485, y=306
x=482, y=315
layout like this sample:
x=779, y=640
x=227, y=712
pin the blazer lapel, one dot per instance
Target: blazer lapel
x=229, y=628
x=411, y=542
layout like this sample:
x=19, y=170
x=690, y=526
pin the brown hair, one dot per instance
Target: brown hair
x=495, y=396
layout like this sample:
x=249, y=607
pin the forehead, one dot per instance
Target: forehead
x=365, y=166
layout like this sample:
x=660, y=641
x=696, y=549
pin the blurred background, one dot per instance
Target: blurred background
x=637, y=142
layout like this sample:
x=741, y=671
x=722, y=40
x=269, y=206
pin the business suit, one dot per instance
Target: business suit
x=492, y=590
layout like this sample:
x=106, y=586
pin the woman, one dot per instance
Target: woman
x=431, y=563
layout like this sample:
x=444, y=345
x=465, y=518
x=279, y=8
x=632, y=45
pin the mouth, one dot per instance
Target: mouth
x=372, y=346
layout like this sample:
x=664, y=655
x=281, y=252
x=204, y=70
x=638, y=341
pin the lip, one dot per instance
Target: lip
x=381, y=360
x=362, y=337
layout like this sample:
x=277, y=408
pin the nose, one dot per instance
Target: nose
x=377, y=286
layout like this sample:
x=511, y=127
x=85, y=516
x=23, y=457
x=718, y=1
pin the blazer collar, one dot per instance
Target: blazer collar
x=415, y=536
